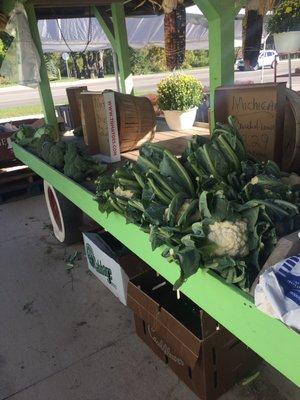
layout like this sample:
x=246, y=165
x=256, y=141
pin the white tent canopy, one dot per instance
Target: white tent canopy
x=142, y=32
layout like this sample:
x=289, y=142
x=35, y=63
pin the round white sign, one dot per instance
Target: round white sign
x=65, y=56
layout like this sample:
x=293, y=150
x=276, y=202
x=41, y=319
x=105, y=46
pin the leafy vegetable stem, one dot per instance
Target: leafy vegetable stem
x=162, y=182
x=147, y=163
x=128, y=183
x=158, y=192
x=181, y=170
x=231, y=153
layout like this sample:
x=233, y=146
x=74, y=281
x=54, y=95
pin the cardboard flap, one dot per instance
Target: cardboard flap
x=176, y=324
x=132, y=265
x=136, y=302
x=178, y=337
x=208, y=324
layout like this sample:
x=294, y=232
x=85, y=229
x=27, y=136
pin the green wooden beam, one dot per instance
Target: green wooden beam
x=220, y=16
x=122, y=47
x=44, y=86
x=231, y=307
x=106, y=24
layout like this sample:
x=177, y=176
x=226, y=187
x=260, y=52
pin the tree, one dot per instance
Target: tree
x=253, y=28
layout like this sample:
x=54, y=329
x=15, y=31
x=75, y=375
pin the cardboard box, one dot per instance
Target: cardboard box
x=204, y=355
x=259, y=110
x=111, y=262
x=74, y=94
x=100, y=124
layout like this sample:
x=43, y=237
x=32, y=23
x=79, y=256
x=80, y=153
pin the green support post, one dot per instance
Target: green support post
x=106, y=24
x=122, y=48
x=220, y=16
x=115, y=30
x=44, y=86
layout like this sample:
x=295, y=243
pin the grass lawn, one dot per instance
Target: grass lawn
x=19, y=111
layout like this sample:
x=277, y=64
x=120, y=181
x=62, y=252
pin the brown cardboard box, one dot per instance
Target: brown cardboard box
x=74, y=94
x=204, y=355
x=259, y=110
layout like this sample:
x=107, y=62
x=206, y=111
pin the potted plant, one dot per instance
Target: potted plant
x=285, y=26
x=179, y=97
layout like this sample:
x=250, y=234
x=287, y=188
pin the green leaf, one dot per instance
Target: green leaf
x=174, y=207
x=155, y=213
x=171, y=168
x=189, y=261
x=186, y=213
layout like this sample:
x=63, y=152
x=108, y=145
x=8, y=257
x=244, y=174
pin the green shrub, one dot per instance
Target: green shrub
x=179, y=92
x=52, y=70
x=157, y=59
x=139, y=61
x=286, y=17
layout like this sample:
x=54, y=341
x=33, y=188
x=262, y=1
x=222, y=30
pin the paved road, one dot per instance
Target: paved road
x=19, y=95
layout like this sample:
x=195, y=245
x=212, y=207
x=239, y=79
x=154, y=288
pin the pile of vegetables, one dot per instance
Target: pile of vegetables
x=214, y=208
x=69, y=158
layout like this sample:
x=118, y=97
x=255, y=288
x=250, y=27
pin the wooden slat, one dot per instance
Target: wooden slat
x=70, y=3
x=174, y=141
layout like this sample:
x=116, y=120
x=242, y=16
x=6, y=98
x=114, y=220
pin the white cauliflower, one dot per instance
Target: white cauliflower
x=118, y=191
x=230, y=238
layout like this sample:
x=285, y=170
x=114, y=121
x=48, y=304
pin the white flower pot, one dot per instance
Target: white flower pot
x=287, y=42
x=180, y=120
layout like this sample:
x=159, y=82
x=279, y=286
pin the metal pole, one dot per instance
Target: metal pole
x=67, y=67
x=290, y=71
x=264, y=52
x=116, y=69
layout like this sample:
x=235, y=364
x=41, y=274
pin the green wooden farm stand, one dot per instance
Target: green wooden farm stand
x=269, y=338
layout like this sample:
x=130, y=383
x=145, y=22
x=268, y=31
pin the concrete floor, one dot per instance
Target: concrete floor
x=64, y=336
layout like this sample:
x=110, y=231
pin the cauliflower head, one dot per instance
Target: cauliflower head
x=230, y=238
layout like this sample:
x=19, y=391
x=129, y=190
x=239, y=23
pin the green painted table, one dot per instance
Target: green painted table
x=268, y=337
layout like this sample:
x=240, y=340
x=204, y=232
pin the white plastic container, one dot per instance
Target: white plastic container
x=180, y=120
x=287, y=42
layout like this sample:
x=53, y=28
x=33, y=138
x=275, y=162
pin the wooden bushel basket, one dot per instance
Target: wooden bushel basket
x=136, y=120
x=291, y=139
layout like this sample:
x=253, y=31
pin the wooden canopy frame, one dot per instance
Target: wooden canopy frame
x=220, y=16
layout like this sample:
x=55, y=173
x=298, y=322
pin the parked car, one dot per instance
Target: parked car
x=266, y=58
